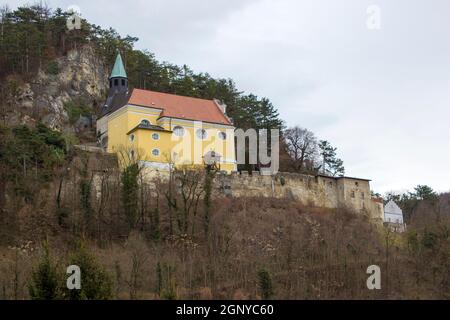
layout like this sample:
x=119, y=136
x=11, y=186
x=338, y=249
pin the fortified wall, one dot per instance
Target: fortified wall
x=319, y=191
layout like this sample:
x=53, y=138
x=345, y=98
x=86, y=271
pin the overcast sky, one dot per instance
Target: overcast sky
x=380, y=95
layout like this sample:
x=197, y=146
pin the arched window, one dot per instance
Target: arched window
x=222, y=135
x=145, y=123
x=116, y=82
x=132, y=138
x=178, y=131
x=202, y=134
x=123, y=82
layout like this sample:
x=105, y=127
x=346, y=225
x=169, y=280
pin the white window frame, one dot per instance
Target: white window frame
x=203, y=137
x=132, y=137
x=184, y=131
x=157, y=135
x=159, y=152
x=219, y=135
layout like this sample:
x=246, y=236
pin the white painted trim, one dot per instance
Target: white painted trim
x=228, y=161
x=159, y=110
x=146, y=113
x=128, y=107
x=115, y=114
x=156, y=165
x=190, y=122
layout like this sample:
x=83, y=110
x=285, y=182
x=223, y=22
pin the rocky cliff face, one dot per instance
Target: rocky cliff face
x=65, y=97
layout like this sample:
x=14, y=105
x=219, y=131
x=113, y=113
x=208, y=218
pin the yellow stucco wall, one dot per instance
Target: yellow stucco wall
x=188, y=149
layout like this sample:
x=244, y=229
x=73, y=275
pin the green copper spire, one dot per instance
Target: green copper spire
x=119, y=69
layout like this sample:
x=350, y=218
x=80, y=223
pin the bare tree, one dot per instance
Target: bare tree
x=188, y=181
x=131, y=160
x=302, y=147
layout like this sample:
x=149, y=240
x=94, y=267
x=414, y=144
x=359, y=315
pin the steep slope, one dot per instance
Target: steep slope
x=65, y=98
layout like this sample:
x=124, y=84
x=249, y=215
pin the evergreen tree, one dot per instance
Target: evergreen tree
x=409, y=201
x=424, y=192
x=331, y=164
x=130, y=193
x=33, y=36
x=265, y=284
x=96, y=282
x=45, y=280
x=166, y=282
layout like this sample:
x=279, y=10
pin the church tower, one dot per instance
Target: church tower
x=118, y=81
x=118, y=88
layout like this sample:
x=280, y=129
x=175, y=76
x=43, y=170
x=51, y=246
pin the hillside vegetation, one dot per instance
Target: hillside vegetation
x=173, y=239
x=33, y=37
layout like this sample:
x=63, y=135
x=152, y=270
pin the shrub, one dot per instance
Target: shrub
x=75, y=110
x=30, y=156
x=265, y=284
x=45, y=280
x=96, y=282
x=429, y=239
x=166, y=281
x=130, y=190
x=53, y=68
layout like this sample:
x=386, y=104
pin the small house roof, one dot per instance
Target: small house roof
x=148, y=127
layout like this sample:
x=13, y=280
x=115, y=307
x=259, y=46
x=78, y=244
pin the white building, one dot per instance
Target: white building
x=393, y=215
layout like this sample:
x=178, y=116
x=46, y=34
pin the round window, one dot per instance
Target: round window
x=178, y=131
x=155, y=136
x=201, y=134
x=155, y=152
x=222, y=135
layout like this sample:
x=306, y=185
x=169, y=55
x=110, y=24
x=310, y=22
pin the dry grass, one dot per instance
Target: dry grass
x=310, y=253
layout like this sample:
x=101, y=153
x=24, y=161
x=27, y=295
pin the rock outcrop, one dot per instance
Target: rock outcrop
x=80, y=80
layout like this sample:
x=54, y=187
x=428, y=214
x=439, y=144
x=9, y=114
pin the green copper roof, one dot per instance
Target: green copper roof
x=119, y=69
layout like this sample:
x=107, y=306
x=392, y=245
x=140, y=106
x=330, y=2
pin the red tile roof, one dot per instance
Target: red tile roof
x=379, y=200
x=182, y=107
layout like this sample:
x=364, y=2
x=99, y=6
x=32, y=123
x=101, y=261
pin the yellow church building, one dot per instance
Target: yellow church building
x=161, y=130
